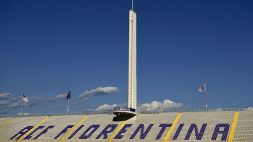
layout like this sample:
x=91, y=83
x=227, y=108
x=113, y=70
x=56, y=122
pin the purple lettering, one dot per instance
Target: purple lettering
x=73, y=134
x=30, y=135
x=198, y=135
x=64, y=131
x=143, y=133
x=104, y=133
x=44, y=131
x=85, y=136
x=22, y=132
x=224, y=132
x=180, y=127
x=164, y=126
x=122, y=131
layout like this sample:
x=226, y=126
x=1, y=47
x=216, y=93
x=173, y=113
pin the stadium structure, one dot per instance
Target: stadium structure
x=214, y=125
x=130, y=112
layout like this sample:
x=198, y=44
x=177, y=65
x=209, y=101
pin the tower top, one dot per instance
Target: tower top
x=133, y=5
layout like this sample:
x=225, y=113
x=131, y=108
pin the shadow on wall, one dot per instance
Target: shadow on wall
x=122, y=118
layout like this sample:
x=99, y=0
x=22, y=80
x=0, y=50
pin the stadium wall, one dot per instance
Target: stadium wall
x=170, y=126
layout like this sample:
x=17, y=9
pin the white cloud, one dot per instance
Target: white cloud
x=61, y=96
x=100, y=91
x=4, y=95
x=250, y=108
x=4, y=102
x=154, y=106
x=9, y=101
x=14, y=104
x=58, y=97
x=105, y=107
x=108, y=107
x=157, y=106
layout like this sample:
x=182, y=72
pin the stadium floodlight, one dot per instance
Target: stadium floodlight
x=132, y=70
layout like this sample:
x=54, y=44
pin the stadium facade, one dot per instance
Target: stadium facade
x=174, y=126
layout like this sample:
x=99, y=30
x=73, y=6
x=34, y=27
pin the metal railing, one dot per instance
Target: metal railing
x=143, y=112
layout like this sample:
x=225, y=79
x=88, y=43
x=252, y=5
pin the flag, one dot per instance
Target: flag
x=202, y=88
x=24, y=98
x=69, y=95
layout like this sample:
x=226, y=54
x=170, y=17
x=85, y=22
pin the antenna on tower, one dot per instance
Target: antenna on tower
x=133, y=5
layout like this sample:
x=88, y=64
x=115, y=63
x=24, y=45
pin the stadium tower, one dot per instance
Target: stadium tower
x=132, y=76
x=131, y=110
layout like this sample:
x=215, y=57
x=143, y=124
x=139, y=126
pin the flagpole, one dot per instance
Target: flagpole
x=206, y=103
x=21, y=108
x=68, y=107
x=206, y=106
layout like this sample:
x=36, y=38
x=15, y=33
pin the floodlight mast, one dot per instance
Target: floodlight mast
x=132, y=62
x=131, y=109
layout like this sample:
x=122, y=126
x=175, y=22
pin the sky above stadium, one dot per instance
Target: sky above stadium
x=49, y=47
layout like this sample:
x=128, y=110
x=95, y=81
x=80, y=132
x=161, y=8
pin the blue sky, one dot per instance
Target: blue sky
x=50, y=47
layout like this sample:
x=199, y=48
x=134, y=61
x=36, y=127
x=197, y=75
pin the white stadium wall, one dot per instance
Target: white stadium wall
x=187, y=126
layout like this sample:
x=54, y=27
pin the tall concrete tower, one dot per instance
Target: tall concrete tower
x=132, y=76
